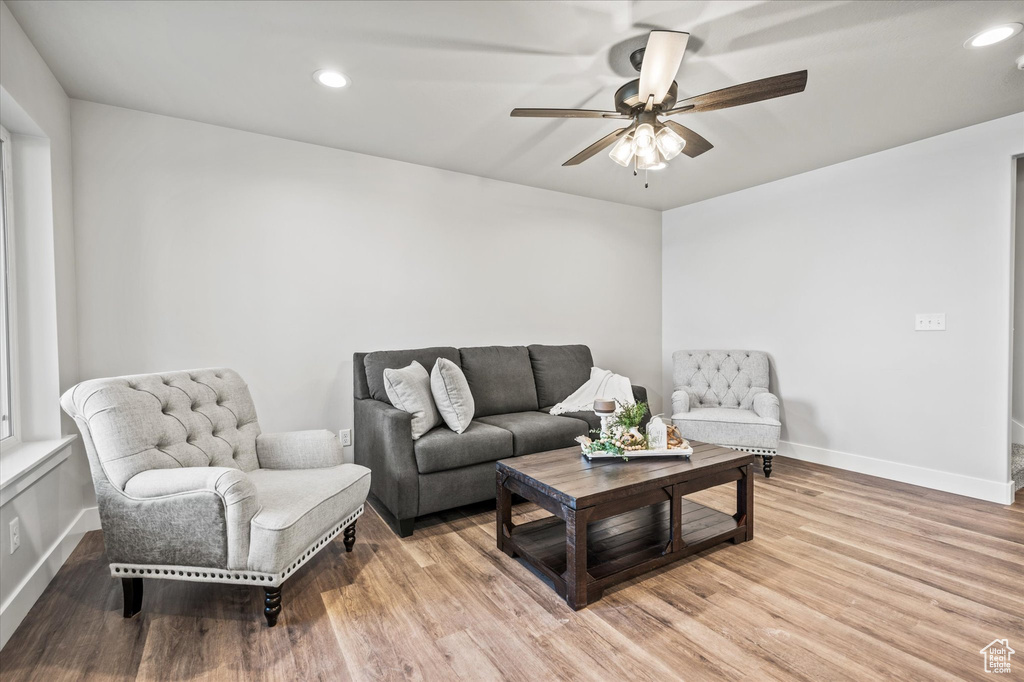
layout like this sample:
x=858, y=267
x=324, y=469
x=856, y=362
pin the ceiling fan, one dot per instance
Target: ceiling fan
x=649, y=143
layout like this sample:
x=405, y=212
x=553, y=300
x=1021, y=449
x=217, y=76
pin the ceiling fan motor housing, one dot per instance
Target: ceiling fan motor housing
x=627, y=98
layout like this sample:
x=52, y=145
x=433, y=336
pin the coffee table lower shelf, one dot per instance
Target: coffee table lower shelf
x=623, y=546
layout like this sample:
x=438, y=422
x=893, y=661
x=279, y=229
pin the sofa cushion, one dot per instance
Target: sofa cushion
x=298, y=506
x=538, y=431
x=409, y=390
x=501, y=379
x=558, y=371
x=443, y=449
x=728, y=426
x=452, y=395
x=375, y=363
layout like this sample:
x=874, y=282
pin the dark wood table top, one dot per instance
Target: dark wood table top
x=569, y=477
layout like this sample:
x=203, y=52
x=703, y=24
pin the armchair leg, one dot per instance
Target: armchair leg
x=350, y=536
x=767, y=459
x=272, y=604
x=132, y=588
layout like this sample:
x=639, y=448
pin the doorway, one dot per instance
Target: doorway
x=1017, y=379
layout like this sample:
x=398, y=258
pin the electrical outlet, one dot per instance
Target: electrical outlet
x=930, y=322
x=15, y=527
x=346, y=437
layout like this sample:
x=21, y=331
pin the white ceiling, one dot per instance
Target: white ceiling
x=433, y=82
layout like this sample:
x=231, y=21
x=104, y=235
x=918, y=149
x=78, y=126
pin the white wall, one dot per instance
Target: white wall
x=200, y=246
x=1018, y=308
x=825, y=271
x=51, y=506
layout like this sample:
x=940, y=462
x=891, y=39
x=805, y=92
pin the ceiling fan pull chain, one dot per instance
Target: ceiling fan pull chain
x=646, y=184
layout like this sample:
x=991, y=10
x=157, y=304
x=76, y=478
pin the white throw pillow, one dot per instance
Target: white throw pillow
x=408, y=389
x=452, y=395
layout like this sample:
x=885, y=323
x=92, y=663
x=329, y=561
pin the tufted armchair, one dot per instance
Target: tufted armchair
x=722, y=397
x=189, y=489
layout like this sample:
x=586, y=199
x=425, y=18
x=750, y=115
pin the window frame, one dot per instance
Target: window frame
x=8, y=286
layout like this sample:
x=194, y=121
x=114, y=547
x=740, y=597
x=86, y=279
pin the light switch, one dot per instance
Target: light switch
x=930, y=322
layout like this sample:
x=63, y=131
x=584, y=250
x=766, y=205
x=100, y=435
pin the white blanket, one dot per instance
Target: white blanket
x=602, y=384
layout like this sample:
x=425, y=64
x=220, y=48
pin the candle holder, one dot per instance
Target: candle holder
x=605, y=409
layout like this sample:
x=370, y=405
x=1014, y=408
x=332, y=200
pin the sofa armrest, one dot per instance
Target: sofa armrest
x=766, y=406
x=315, y=449
x=160, y=505
x=384, y=445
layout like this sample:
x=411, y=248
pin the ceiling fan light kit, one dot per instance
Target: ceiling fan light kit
x=623, y=151
x=670, y=143
x=648, y=143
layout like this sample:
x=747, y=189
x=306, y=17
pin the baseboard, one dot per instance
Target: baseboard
x=25, y=595
x=991, y=491
x=1016, y=432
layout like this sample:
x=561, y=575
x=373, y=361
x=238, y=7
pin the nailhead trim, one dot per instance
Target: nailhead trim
x=753, y=451
x=208, y=575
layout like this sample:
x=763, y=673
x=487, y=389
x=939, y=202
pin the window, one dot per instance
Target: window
x=7, y=429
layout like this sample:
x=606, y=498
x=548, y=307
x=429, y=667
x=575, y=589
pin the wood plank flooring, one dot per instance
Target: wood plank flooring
x=848, y=578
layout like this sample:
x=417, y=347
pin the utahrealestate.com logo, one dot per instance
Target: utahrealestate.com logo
x=997, y=656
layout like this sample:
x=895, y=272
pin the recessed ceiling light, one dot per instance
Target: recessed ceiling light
x=331, y=79
x=991, y=36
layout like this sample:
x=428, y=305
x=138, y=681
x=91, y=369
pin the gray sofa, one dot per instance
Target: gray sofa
x=513, y=388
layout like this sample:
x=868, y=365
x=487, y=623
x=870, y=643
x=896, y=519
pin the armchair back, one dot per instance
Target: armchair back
x=194, y=418
x=720, y=378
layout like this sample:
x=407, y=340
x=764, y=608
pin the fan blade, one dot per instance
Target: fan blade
x=695, y=144
x=565, y=113
x=662, y=57
x=605, y=142
x=745, y=93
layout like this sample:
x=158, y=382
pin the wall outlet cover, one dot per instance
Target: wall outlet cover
x=15, y=529
x=930, y=322
x=346, y=437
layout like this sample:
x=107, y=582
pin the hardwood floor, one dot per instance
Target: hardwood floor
x=848, y=577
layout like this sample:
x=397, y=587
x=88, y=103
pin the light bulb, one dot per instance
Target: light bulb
x=670, y=143
x=622, y=152
x=652, y=161
x=644, y=137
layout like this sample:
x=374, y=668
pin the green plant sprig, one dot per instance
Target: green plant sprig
x=631, y=416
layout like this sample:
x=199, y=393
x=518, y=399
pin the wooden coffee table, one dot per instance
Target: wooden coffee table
x=614, y=520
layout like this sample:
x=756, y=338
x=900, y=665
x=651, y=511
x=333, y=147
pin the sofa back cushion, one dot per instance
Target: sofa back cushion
x=720, y=378
x=194, y=418
x=501, y=379
x=375, y=363
x=558, y=371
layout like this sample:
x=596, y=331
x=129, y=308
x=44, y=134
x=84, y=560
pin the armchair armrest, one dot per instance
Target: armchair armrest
x=315, y=449
x=159, y=518
x=680, y=401
x=766, y=406
x=384, y=444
